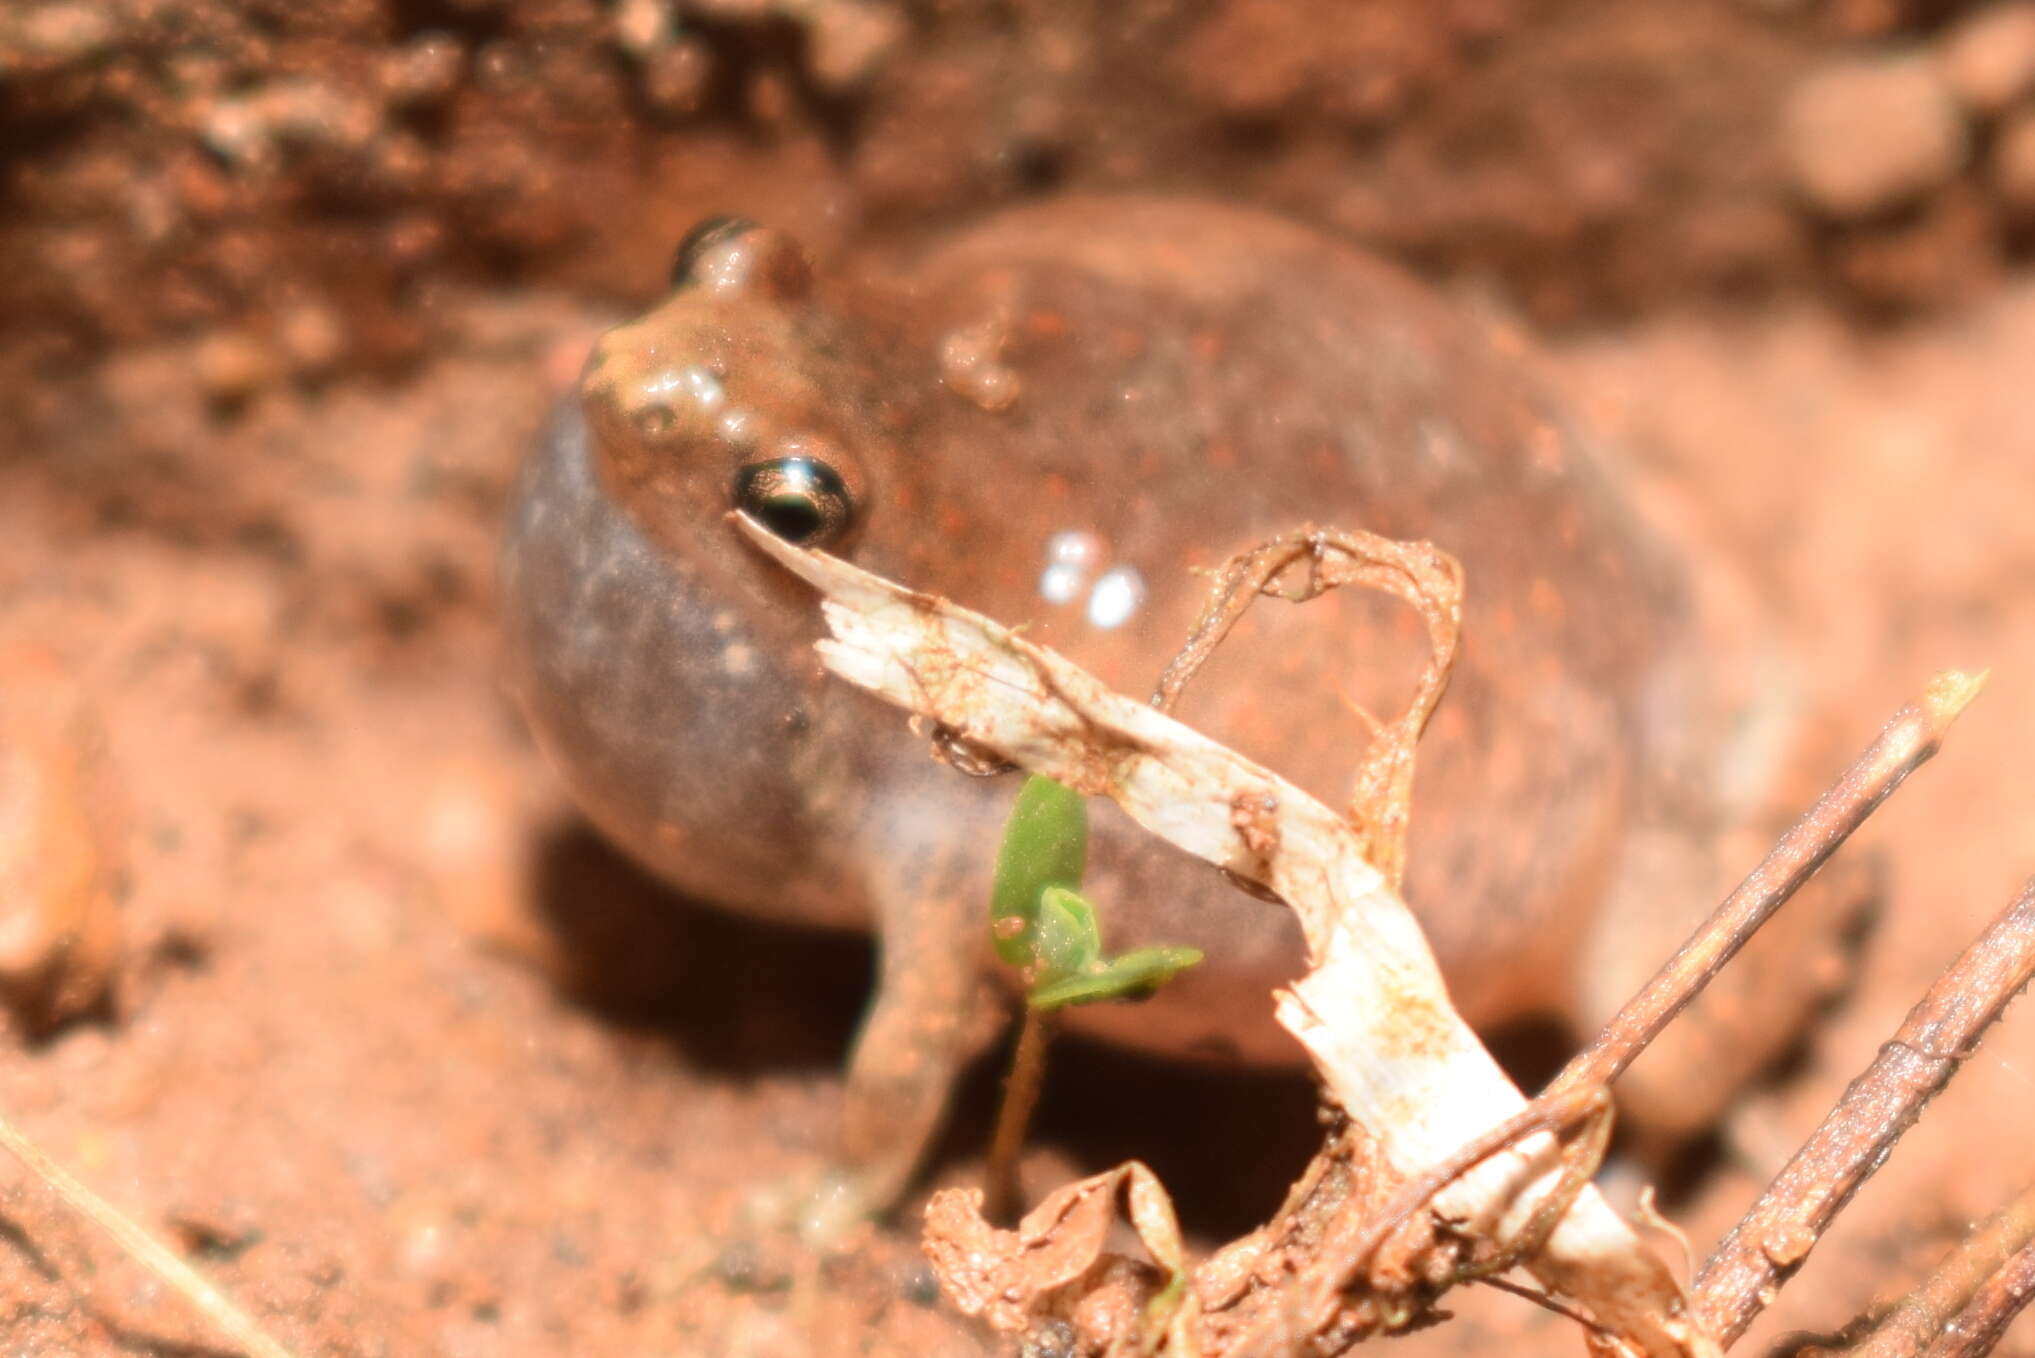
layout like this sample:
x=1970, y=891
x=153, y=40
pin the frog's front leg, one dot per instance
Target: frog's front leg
x=933, y=1011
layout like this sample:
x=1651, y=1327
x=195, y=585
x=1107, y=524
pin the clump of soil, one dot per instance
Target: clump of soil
x=300, y=185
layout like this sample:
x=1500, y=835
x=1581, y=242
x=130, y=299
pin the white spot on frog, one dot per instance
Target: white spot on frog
x=1116, y=597
x=1071, y=557
x=738, y=661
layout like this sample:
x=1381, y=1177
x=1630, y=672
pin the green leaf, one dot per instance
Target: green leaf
x=1132, y=976
x=1045, y=844
x=1066, y=941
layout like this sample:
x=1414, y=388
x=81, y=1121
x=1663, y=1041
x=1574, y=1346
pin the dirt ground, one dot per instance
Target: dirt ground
x=308, y=965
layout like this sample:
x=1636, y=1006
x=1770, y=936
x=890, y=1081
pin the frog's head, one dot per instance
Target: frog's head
x=677, y=685
x=737, y=392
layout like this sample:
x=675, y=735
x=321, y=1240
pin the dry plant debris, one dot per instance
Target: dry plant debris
x=1436, y=1170
x=1395, y=1057
x=1980, y=1325
x=1427, y=579
x=226, y=1319
x=1010, y=1277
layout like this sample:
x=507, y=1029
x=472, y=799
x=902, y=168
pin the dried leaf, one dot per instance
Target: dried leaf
x=1013, y=1279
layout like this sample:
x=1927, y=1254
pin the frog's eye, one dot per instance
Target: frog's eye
x=801, y=499
x=702, y=240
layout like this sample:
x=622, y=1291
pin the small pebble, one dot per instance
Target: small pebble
x=1050, y=1338
x=313, y=338
x=847, y=41
x=1988, y=59
x=65, y=34
x=231, y=367
x=1868, y=135
x=643, y=26
x=677, y=76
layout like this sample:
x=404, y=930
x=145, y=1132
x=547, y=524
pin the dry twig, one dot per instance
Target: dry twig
x=145, y=1249
x=1940, y=1032
x=1904, y=744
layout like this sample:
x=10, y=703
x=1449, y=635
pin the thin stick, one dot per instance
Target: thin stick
x=145, y=1249
x=1001, y=1199
x=1769, y=1245
x=1909, y=1327
x=1350, y=1244
x=1980, y=1324
x=1904, y=744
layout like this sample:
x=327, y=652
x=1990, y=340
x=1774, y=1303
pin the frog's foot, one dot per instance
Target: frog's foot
x=920, y=1030
x=934, y=1010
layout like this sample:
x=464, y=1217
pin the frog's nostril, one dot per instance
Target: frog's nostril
x=652, y=420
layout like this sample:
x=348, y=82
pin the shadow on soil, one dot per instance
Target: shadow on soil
x=736, y=998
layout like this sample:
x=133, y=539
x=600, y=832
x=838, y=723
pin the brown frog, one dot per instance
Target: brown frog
x=1054, y=419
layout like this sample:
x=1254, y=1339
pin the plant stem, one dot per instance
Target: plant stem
x=1939, y=1035
x=1001, y=1199
x=1908, y=740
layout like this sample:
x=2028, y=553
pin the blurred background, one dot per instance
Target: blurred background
x=304, y=960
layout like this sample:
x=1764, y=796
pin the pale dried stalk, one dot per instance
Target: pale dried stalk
x=229, y=1320
x=1373, y=1013
x=1940, y=1032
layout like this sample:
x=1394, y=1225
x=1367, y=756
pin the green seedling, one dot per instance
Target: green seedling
x=1045, y=844
x=1073, y=969
x=1046, y=929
